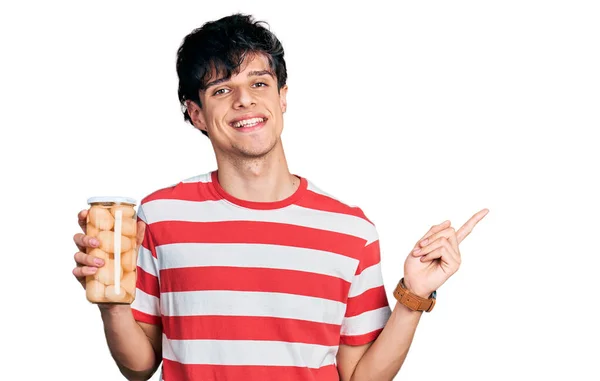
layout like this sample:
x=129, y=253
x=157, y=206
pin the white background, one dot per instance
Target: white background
x=416, y=112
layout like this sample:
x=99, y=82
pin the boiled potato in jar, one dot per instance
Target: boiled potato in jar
x=95, y=252
x=112, y=295
x=107, y=242
x=129, y=260
x=128, y=227
x=101, y=218
x=106, y=273
x=94, y=290
x=128, y=282
x=91, y=230
x=126, y=210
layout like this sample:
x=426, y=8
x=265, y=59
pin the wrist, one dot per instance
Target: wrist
x=413, y=298
x=415, y=290
x=111, y=310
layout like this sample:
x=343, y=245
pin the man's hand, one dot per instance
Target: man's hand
x=86, y=264
x=436, y=256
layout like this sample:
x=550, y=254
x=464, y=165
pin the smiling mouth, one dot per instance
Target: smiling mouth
x=248, y=122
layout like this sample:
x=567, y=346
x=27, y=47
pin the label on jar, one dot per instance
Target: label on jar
x=117, y=242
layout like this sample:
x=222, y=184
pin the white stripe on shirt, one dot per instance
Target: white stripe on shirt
x=248, y=352
x=180, y=255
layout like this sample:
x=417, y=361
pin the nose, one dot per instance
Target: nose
x=243, y=99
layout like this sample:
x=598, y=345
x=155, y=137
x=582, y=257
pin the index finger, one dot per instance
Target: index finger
x=83, y=241
x=82, y=219
x=435, y=229
x=467, y=228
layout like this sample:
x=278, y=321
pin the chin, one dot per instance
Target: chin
x=256, y=150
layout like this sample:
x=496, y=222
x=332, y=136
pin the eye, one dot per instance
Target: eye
x=220, y=91
x=262, y=84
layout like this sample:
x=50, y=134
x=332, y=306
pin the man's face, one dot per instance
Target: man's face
x=243, y=115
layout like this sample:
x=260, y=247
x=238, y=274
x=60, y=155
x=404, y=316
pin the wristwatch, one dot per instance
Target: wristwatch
x=412, y=301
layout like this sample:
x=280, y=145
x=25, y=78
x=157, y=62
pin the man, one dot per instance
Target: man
x=250, y=272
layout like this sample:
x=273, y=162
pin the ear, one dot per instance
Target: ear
x=196, y=115
x=282, y=98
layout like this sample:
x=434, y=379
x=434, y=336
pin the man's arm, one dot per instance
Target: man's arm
x=433, y=260
x=382, y=358
x=136, y=347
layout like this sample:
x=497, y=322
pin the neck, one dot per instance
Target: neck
x=263, y=179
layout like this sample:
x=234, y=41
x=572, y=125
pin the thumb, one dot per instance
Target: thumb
x=82, y=219
x=141, y=229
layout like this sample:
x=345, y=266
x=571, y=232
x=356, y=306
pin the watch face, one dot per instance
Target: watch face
x=434, y=294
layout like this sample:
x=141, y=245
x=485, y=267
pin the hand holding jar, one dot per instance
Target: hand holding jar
x=107, y=257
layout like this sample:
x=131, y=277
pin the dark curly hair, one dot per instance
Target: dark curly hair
x=222, y=45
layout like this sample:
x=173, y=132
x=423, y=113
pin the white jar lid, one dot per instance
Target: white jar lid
x=113, y=199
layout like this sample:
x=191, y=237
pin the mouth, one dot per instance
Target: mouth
x=249, y=123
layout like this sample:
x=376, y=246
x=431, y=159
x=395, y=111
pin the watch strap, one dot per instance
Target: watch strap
x=412, y=301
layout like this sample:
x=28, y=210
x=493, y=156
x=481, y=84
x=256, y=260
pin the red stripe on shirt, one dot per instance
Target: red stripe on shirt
x=145, y=318
x=174, y=371
x=167, y=232
x=147, y=282
x=254, y=279
x=360, y=339
x=265, y=328
x=370, y=256
x=369, y=300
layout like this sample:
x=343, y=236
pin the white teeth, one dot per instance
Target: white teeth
x=248, y=122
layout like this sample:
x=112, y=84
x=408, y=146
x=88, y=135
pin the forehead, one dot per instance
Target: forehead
x=255, y=62
x=252, y=62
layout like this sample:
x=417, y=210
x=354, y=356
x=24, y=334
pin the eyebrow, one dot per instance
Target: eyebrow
x=253, y=73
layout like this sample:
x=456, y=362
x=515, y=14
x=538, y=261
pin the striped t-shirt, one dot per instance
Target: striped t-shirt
x=256, y=290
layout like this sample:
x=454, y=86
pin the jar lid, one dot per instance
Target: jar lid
x=113, y=199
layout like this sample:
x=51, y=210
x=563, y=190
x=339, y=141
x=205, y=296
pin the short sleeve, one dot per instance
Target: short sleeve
x=367, y=308
x=146, y=305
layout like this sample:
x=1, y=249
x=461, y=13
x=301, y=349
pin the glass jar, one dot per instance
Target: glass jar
x=113, y=221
